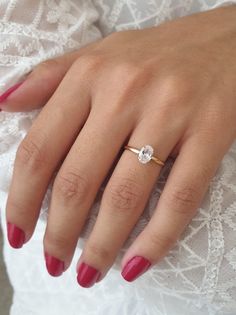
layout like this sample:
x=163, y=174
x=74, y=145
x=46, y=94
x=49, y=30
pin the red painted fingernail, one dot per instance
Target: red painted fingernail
x=16, y=236
x=12, y=89
x=87, y=275
x=54, y=266
x=135, y=268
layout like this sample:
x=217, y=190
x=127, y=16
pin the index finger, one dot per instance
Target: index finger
x=42, y=151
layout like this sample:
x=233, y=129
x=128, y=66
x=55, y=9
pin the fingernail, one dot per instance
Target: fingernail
x=87, y=275
x=16, y=236
x=135, y=268
x=54, y=266
x=12, y=89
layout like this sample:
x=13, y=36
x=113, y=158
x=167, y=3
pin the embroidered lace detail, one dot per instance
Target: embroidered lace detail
x=61, y=14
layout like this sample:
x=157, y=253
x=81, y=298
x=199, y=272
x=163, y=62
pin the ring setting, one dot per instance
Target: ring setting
x=145, y=154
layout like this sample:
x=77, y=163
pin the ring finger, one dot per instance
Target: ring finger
x=123, y=201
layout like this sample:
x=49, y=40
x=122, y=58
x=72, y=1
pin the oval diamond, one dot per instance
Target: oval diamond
x=145, y=154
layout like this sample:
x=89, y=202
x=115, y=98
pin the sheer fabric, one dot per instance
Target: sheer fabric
x=198, y=275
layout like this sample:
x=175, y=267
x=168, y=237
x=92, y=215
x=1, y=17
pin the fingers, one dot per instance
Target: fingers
x=36, y=88
x=123, y=201
x=184, y=190
x=41, y=152
x=77, y=184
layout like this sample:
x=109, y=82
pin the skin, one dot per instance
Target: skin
x=173, y=87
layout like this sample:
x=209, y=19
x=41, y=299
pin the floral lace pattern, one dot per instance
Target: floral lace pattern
x=197, y=277
x=60, y=13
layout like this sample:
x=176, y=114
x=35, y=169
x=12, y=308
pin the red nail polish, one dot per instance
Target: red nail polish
x=54, y=266
x=87, y=275
x=135, y=268
x=12, y=89
x=16, y=236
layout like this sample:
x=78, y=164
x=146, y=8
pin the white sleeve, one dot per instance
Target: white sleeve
x=221, y=3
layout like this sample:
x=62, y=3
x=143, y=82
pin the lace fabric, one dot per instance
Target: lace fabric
x=198, y=275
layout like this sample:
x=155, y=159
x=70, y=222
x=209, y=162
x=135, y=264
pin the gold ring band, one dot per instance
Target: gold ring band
x=145, y=154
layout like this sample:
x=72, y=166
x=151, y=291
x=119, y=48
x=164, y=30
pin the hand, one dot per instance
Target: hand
x=172, y=87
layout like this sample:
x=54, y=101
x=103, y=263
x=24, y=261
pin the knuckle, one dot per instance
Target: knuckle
x=48, y=68
x=89, y=63
x=176, y=88
x=136, y=79
x=161, y=242
x=124, y=194
x=205, y=174
x=131, y=80
x=180, y=83
x=30, y=153
x=184, y=199
x=19, y=209
x=71, y=184
x=101, y=253
x=56, y=240
x=133, y=77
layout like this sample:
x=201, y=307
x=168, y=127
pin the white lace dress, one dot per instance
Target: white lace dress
x=198, y=277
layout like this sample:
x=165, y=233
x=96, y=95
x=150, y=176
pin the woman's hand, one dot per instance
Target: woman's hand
x=173, y=87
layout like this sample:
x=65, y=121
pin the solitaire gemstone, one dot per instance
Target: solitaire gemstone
x=145, y=154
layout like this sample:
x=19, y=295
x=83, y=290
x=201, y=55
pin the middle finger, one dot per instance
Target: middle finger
x=123, y=201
